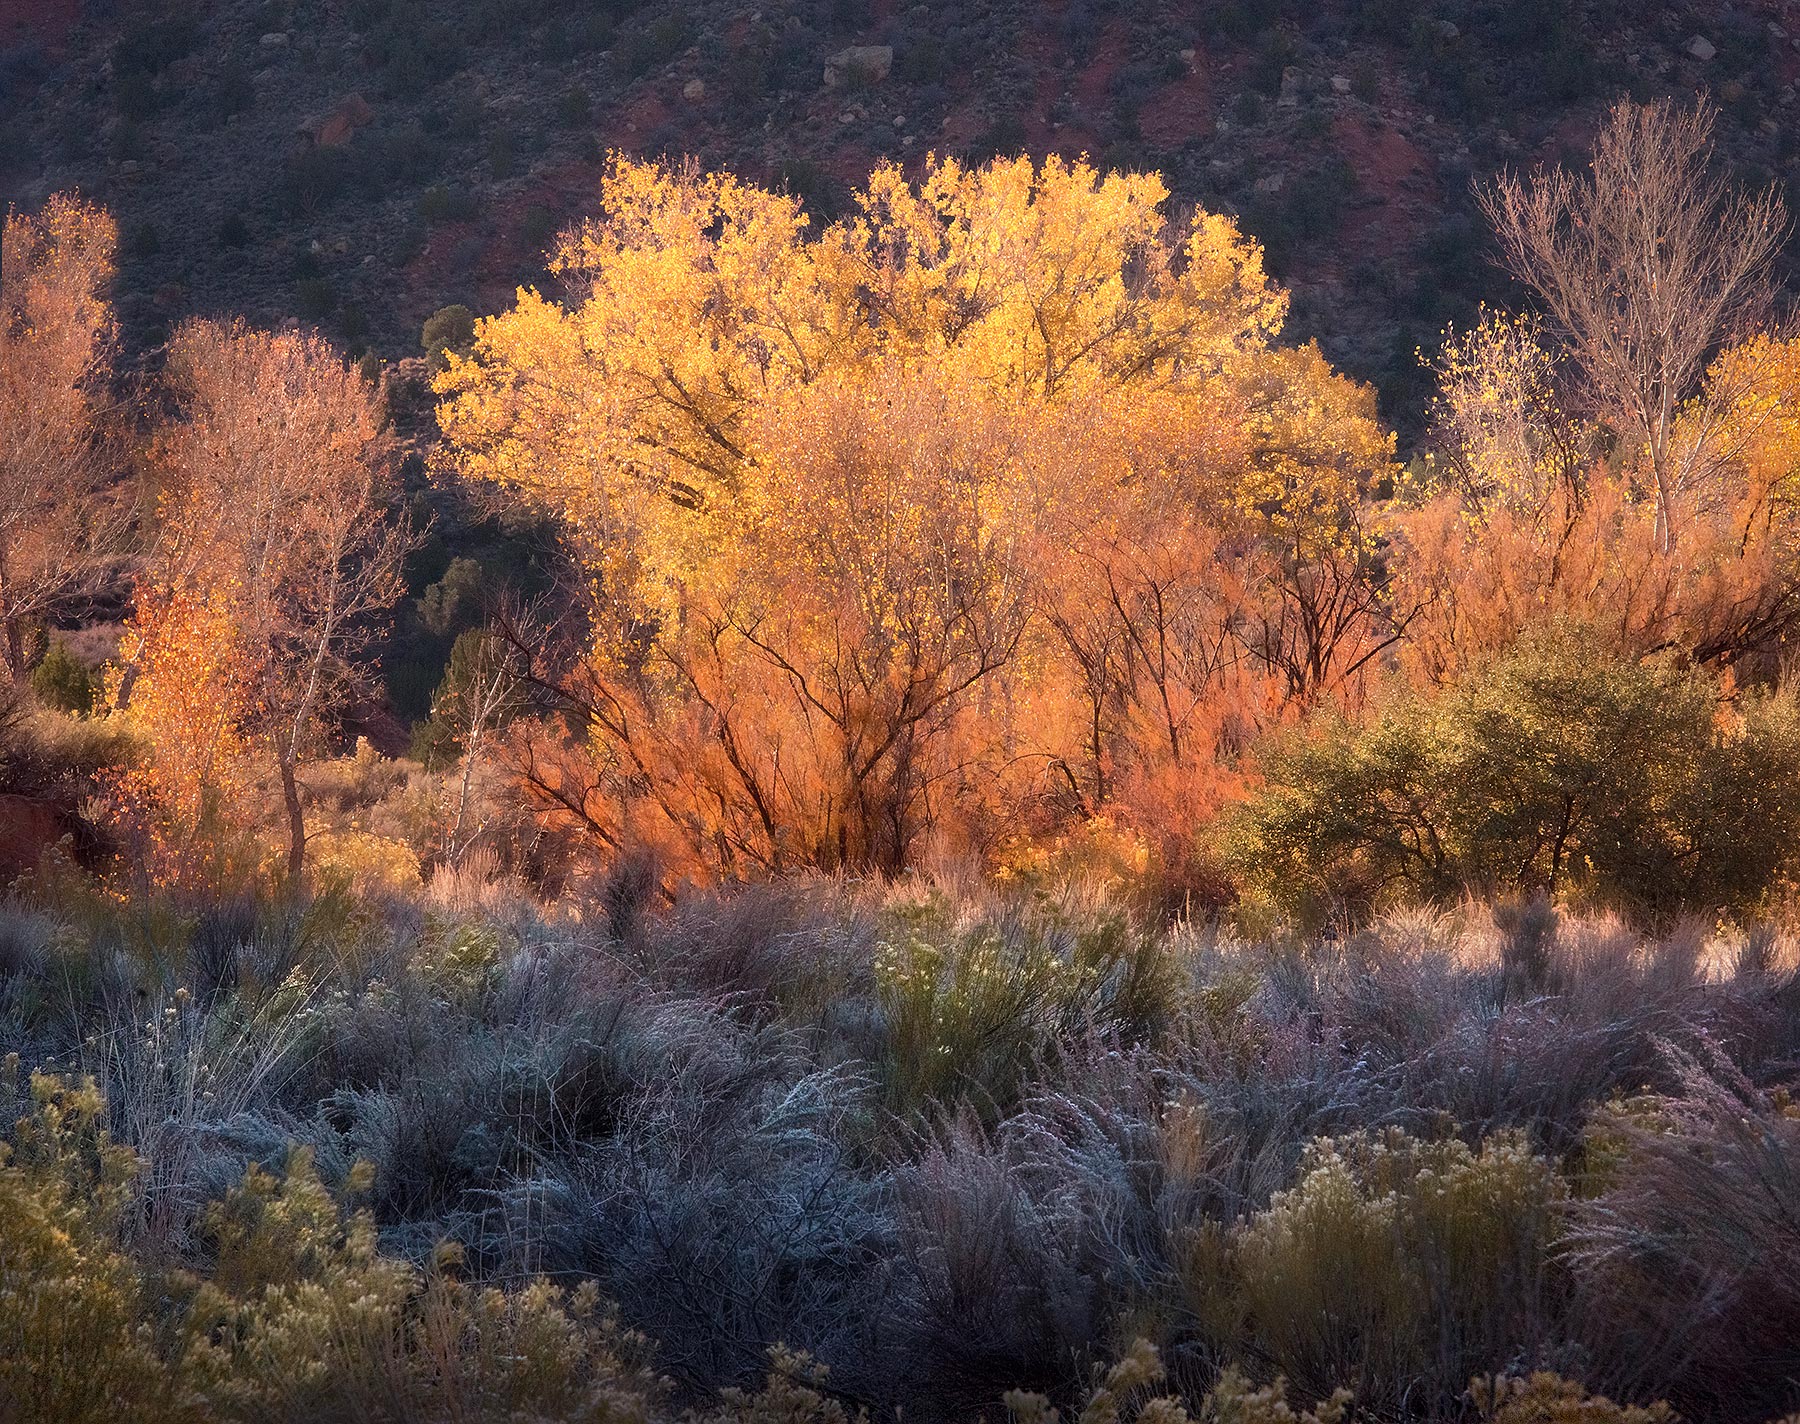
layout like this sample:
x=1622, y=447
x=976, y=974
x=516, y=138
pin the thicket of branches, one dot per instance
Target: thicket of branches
x=991, y=522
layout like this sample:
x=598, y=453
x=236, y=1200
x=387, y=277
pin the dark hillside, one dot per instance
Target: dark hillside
x=359, y=163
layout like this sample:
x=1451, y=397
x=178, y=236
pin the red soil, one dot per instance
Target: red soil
x=46, y=21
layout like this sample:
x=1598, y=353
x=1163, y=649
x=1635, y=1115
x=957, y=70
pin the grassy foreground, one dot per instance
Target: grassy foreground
x=936, y=1148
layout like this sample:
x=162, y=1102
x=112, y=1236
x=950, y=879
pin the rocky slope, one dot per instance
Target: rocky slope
x=359, y=163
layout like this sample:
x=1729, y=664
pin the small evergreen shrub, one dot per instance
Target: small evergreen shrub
x=61, y=680
x=450, y=328
x=441, y=203
x=649, y=46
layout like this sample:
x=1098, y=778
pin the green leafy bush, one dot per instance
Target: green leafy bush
x=441, y=203
x=1561, y=766
x=234, y=91
x=476, y=690
x=62, y=759
x=61, y=680
x=970, y=1006
x=415, y=54
x=450, y=328
x=655, y=43
x=574, y=108
x=315, y=298
x=234, y=231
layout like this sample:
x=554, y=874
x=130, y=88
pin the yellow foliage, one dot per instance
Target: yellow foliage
x=366, y=862
x=1391, y=1258
x=304, y=1319
x=1756, y=385
x=74, y=1348
x=1124, y=1397
x=1520, y=523
x=189, y=698
x=792, y=1393
x=275, y=550
x=1501, y=437
x=1546, y=1398
x=833, y=488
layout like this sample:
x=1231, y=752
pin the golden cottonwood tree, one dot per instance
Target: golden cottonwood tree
x=59, y=508
x=1759, y=426
x=1619, y=462
x=848, y=502
x=183, y=808
x=275, y=552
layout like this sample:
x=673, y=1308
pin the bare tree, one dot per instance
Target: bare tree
x=1325, y=615
x=60, y=505
x=281, y=473
x=481, y=690
x=1647, y=265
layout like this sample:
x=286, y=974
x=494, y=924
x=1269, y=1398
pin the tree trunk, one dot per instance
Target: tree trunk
x=453, y=853
x=15, y=648
x=296, y=819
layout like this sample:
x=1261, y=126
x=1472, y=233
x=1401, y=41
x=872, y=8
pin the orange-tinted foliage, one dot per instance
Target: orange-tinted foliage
x=183, y=806
x=275, y=550
x=991, y=520
x=1522, y=521
x=987, y=509
x=56, y=338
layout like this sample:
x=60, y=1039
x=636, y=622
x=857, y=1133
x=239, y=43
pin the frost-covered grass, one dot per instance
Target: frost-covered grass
x=946, y=1142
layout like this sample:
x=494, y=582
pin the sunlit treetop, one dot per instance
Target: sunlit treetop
x=697, y=303
x=55, y=269
x=1749, y=414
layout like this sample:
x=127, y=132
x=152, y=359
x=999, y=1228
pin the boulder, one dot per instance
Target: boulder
x=1701, y=48
x=869, y=63
x=1340, y=84
x=694, y=90
x=337, y=126
x=28, y=828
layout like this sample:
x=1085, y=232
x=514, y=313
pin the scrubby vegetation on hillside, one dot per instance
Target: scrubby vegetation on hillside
x=1007, y=855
